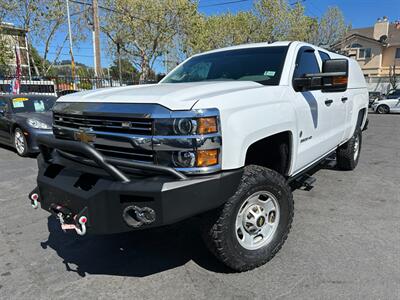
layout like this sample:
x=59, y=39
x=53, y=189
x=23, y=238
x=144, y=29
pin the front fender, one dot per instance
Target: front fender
x=243, y=127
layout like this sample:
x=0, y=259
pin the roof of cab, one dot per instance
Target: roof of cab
x=245, y=46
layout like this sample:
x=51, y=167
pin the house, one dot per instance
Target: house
x=376, y=48
x=15, y=38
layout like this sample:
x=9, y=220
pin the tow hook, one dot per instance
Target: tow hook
x=82, y=222
x=69, y=222
x=34, y=197
x=137, y=216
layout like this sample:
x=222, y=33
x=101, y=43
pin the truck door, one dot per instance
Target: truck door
x=314, y=113
x=339, y=114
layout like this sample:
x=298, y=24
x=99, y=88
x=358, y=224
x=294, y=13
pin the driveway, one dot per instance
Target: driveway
x=344, y=243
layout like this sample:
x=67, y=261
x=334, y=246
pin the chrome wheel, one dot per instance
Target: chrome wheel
x=257, y=220
x=356, y=147
x=19, y=142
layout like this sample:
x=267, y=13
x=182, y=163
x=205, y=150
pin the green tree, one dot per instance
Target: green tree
x=45, y=20
x=281, y=21
x=211, y=32
x=128, y=71
x=146, y=29
x=331, y=28
x=5, y=56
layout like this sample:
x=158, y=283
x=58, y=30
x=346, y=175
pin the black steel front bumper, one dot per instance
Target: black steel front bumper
x=103, y=190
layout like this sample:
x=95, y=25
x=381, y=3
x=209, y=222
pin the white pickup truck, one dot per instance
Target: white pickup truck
x=221, y=137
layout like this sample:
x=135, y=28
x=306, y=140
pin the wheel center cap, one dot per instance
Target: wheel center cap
x=260, y=221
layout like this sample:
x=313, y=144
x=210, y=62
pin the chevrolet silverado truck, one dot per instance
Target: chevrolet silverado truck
x=222, y=137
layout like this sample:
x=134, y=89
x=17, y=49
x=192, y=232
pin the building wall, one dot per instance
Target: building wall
x=370, y=66
x=16, y=38
x=389, y=57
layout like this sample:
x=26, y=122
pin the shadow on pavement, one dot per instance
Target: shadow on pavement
x=9, y=148
x=139, y=253
x=134, y=254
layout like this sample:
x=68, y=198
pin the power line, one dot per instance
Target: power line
x=116, y=11
x=223, y=3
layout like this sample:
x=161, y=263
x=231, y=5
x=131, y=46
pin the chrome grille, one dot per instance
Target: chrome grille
x=126, y=153
x=105, y=123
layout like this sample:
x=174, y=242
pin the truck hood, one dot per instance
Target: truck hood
x=175, y=96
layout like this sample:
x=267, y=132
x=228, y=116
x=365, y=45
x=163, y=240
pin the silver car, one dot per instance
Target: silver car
x=391, y=104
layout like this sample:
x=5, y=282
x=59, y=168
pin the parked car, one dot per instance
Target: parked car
x=65, y=92
x=374, y=96
x=390, y=104
x=23, y=118
x=223, y=136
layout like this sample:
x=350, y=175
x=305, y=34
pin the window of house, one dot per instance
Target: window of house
x=356, y=45
x=364, y=53
x=397, y=56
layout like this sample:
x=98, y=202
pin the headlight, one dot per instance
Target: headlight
x=189, y=141
x=189, y=159
x=186, y=126
x=37, y=124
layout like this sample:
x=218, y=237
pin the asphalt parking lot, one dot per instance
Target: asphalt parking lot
x=344, y=244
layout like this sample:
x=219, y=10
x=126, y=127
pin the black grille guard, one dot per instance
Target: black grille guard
x=48, y=143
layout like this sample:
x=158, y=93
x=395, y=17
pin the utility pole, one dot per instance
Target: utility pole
x=70, y=46
x=96, y=39
x=119, y=61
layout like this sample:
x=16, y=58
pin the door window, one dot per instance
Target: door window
x=324, y=56
x=306, y=63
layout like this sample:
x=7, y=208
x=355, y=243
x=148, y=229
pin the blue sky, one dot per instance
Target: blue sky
x=359, y=13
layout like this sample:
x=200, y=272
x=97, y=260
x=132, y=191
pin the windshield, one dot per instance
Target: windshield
x=34, y=104
x=263, y=65
x=394, y=94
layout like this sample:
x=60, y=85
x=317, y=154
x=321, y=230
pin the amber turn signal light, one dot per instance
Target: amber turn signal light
x=339, y=80
x=206, y=158
x=207, y=125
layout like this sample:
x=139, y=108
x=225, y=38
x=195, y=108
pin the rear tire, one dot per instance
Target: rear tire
x=254, y=223
x=348, y=154
x=20, y=143
x=382, y=109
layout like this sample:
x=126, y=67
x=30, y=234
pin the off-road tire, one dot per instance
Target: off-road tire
x=18, y=132
x=345, y=154
x=219, y=230
x=382, y=109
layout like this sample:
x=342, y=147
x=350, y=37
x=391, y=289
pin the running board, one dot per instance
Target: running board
x=305, y=181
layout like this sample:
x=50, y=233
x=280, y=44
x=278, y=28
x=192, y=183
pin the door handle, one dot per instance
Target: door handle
x=328, y=102
x=344, y=99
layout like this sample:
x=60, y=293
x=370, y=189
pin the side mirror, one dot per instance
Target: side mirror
x=339, y=68
x=334, y=77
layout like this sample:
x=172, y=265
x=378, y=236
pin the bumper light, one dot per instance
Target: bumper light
x=184, y=159
x=206, y=158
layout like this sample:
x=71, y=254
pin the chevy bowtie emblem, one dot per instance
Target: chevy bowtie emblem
x=84, y=136
x=126, y=124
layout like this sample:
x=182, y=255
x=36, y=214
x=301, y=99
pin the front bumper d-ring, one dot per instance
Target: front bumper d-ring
x=34, y=197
